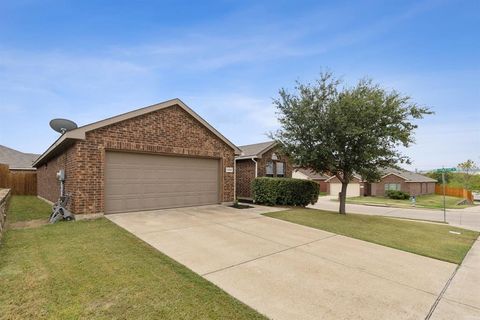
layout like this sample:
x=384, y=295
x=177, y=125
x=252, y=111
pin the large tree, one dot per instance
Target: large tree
x=343, y=131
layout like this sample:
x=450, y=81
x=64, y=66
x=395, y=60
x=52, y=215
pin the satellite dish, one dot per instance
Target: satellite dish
x=62, y=125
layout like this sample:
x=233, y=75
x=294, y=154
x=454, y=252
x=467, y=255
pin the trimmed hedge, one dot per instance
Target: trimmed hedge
x=396, y=194
x=284, y=191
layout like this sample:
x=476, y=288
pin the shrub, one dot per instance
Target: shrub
x=284, y=191
x=396, y=194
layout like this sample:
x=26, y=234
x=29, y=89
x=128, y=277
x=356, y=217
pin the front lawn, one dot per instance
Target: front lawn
x=433, y=201
x=427, y=239
x=96, y=270
x=24, y=208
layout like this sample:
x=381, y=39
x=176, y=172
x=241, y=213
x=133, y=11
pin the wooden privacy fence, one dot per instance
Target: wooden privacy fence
x=21, y=182
x=454, y=192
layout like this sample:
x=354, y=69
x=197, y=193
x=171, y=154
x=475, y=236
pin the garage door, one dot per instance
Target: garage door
x=353, y=189
x=135, y=182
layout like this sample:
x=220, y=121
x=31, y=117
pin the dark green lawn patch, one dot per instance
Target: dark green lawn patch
x=96, y=270
x=427, y=239
x=24, y=208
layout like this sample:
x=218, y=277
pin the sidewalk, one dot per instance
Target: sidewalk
x=461, y=296
x=468, y=218
x=461, y=299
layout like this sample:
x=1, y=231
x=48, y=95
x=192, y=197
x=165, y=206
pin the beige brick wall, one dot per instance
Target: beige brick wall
x=167, y=131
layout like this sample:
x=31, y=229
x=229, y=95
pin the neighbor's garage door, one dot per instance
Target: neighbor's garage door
x=353, y=189
x=135, y=182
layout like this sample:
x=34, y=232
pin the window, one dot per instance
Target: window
x=269, y=169
x=392, y=186
x=280, y=169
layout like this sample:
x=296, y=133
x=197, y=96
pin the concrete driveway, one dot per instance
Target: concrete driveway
x=288, y=271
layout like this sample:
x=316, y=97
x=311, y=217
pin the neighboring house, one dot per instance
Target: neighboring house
x=259, y=160
x=308, y=174
x=394, y=179
x=161, y=156
x=354, y=189
x=17, y=160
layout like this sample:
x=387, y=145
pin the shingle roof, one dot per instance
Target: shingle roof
x=80, y=133
x=312, y=174
x=255, y=150
x=16, y=159
x=409, y=176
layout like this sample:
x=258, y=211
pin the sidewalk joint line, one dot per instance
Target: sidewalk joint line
x=440, y=296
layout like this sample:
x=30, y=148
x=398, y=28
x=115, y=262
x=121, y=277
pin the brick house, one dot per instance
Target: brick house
x=161, y=156
x=394, y=179
x=259, y=160
x=308, y=174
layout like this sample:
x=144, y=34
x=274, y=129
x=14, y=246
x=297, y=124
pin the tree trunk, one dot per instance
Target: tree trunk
x=343, y=197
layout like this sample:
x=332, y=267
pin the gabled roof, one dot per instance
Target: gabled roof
x=312, y=174
x=408, y=176
x=80, y=133
x=16, y=159
x=255, y=150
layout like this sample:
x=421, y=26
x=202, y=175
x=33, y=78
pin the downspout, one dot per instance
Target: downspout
x=256, y=167
x=234, y=180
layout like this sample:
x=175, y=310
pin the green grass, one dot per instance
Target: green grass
x=322, y=194
x=96, y=270
x=432, y=201
x=24, y=208
x=427, y=239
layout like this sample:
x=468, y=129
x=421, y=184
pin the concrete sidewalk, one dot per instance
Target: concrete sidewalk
x=461, y=299
x=468, y=218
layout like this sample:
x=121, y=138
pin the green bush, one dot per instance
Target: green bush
x=396, y=194
x=285, y=191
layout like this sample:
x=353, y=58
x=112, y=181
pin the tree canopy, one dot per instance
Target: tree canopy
x=340, y=130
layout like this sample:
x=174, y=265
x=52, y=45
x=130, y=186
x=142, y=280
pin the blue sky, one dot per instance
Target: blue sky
x=87, y=60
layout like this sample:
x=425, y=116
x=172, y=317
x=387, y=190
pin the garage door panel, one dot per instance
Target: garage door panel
x=135, y=182
x=353, y=189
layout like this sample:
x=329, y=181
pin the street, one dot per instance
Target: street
x=468, y=218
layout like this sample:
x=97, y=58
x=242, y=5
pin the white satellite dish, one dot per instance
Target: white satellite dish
x=62, y=125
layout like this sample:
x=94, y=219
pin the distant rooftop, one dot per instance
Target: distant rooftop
x=255, y=150
x=16, y=159
x=312, y=174
x=408, y=175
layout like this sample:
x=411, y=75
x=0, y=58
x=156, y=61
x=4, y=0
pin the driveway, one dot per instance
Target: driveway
x=288, y=271
x=468, y=218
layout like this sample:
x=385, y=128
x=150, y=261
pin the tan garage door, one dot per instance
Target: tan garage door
x=353, y=189
x=135, y=182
